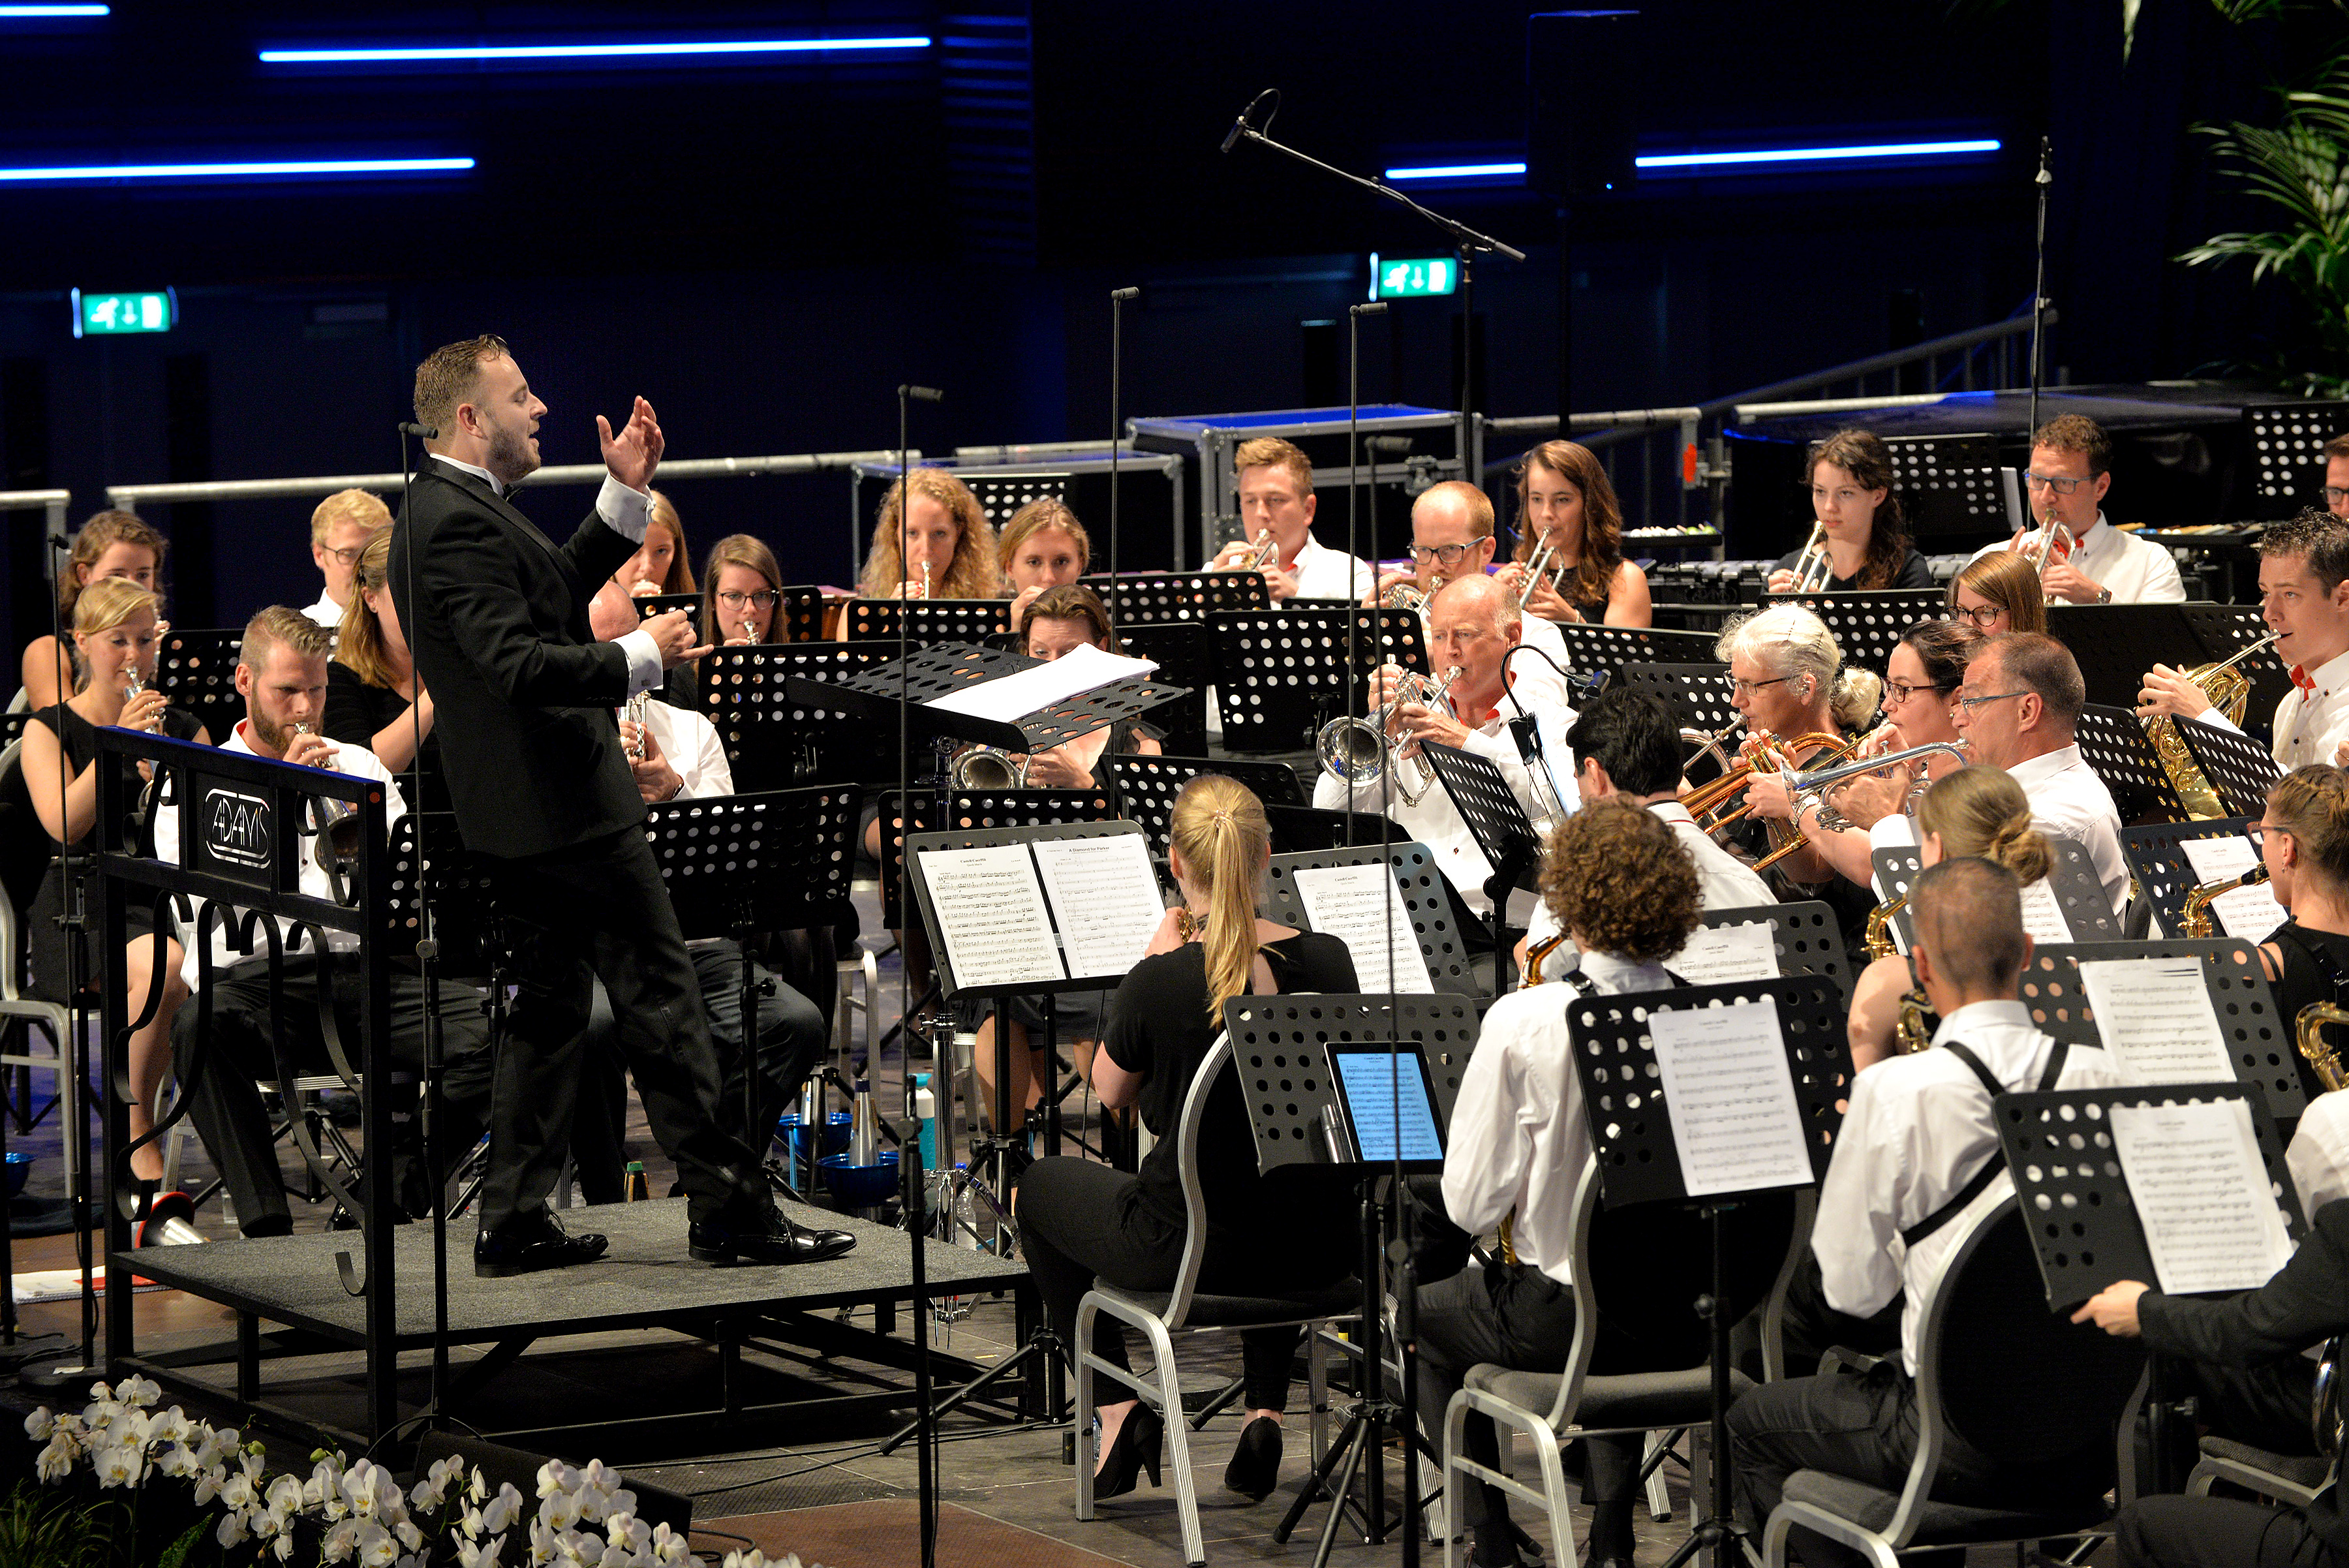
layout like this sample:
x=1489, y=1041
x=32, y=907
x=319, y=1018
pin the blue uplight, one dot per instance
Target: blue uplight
x=358, y=167
x=1815, y=154
x=495, y=53
x=20, y=13
x=1459, y=172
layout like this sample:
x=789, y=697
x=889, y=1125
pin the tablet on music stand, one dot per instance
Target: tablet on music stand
x=1389, y=1106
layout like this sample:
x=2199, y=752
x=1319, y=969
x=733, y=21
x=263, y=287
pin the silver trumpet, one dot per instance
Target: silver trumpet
x=1355, y=749
x=988, y=768
x=337, y=823
x=1801, y=782
x=639, y=709
x=1534, y=570
x=1266, y=548
x=1814, y=568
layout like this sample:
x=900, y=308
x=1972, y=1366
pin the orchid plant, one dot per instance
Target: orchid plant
x=347, y=1512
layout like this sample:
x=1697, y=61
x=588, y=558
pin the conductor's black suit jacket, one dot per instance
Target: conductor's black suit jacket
x=522, y=694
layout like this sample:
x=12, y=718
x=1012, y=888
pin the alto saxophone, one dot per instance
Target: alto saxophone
x=2197, y=919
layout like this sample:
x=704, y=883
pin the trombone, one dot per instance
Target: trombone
x=2229, y=692
x=2198, y=915
x=1354, y=751
x=1814, y=568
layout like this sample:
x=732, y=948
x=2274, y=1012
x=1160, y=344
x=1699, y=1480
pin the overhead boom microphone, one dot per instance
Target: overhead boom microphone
x=1246, y=121
x=922, y=394
x=429, y=432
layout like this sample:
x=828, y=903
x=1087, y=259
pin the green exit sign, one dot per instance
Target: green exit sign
x=99, y=314
x=1398, y=279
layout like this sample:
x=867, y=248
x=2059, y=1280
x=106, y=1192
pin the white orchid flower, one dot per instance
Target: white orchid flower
x=485, y=1555
x=410, y=1536
x=477, y=1486
x=177, y=1459
x=56, y=1461
x=209, y=1483
x=231, y=1531
x=593, y=1506
x=338, y=1544
x=236, y=1491
x=560, y=1512
x=503, y=1509
x=376, y=1548
x=137, y=1392
x=118, y=1465
x=750, y=1558
x=541, y=1541
x=284, y=1495
x=39, y=1425
x=625, y=1528
x=170, y=1426
x=99, y=1415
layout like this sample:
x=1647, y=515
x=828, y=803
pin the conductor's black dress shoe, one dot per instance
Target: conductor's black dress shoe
x=532, y=1245
x=769, y=1239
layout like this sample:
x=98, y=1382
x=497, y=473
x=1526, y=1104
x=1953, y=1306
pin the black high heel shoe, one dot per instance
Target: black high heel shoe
x=1254, y=1468
x=1137, y=1449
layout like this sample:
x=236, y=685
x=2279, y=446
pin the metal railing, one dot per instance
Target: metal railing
x=127, y=496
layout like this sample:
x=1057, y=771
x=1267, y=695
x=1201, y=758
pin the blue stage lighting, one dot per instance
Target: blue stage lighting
x=361, y=168
x=493, y=54
x=20, y=13
x=1881, y=149
x=1460, y=172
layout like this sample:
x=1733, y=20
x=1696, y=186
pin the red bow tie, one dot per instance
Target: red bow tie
x=2300, y=678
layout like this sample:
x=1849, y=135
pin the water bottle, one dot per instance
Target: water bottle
x=863, y=1127
x=965, y=1211
x=926, y=1111
x=637, y=1189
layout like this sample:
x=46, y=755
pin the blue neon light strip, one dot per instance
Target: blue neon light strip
x=1458, y=172
x=498, y=52
x=1815, y=154
x=18, y=12
x=315, y=166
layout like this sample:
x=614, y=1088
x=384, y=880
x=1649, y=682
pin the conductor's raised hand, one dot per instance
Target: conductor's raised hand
x=674, y=632
x=636, y=452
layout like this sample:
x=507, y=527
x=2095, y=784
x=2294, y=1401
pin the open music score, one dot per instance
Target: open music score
x=1042, y=915
x=2247, y=912
x=1361, y=906
x=1717, y=954
x=1732, y=1098
x=2042, y=913
x=2156, y=1017
x=2201, y=1192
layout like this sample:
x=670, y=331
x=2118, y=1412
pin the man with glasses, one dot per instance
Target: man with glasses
x=2071, y=469
x=2305, y=599
x=2016, y=710
x=340, y=530
x=2336, y=475
x=1452, y=538
x=1276, y=497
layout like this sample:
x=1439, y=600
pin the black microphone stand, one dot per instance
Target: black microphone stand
x=1354, y=314
x=2043, y=179
x=1117, y=298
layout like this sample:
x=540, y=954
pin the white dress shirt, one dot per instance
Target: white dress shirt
x=1917, y=1130
x=690, y=743
x=2138, y=571
x=2068, y=800
x=354, y=760
x=2309, y=724
x=2319, y=1155
x=1517, y=1137
x=1322, y=573
x=627, y=513
x=1726, y=882
x=326, y=612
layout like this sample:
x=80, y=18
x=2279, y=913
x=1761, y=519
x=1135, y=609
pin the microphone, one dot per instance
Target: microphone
x=1388, y=443
x=1124, y=293
x=1377, y=307
x=408, y=426
x=922, y=394
x=1243, y=124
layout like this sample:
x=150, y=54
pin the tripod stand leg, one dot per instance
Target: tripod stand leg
x=1317, y=1481
x=1362, y=1440
x=1043, y=1343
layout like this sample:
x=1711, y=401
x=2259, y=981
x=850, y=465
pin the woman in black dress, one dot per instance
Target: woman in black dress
x=114, y=644
x=1850, y=476
x=1566, y=500
x=2305, y=842
x=1080, y=1222
x=373, y=698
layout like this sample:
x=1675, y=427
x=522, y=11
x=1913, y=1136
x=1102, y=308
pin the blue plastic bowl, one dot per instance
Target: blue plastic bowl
x=835, y=1135
x=861, y=1186
x=20, y=1165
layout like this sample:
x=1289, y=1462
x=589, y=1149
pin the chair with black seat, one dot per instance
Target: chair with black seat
x=25, y=849
x=2293, y=1479
x=1644, y=1262
x=1185, y=1309
x=2023, y=1386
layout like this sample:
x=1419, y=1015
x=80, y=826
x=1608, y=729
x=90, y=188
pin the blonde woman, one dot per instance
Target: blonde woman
x=114, y=643
x=1080, y=1222
x=944, y=531
x=659, y=565
x=1044, y=546
x=373, y=696
x=1975, y=812
x=110, y=545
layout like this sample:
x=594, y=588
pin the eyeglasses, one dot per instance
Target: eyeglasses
x=1747, y=688
x=763, y=599
x=1442, y=555
x=2334, y=495
x=1971, y=703
x=2055, y=482
x=1982, y=614
x=2258, y=834
x=346, y=554
x=1900, y=690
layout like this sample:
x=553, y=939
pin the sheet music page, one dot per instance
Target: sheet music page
x=1012, y=698
x=991, y=915
x=1718, y=955
x=2042, y=913
x=2202, y=1194
x=1732, y=1097
x=2250, y=913
x=1350, y=903
x=2155, y=1016
x=1105, y=899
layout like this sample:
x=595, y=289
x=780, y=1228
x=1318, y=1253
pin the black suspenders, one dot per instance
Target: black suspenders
x=1997, y=1160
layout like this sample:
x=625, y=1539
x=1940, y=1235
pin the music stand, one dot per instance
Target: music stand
x=1502, y=830
x=1638, y=1158
x=1698, y=694
x=1867, y=623
x=1145, y=788
x=2284, y=444
x=2113, y=742
x=1281, y=674
x=1805, y=936
x=1590, y=647
x=961, y=811
x=1185, y=656
x=650, y=604
x=900, y=692
x=2071, y=877
x=1948, y=485
x=1421, y=890
x=2225, y=630
x=2240, y=770
x=799, y=613
x=2259, y=1038
x=1296, y=829
x=2115, y=645
x=775, y=738
x=1162, y=598
x=927, y=621
x=197, y=670
x=2164, y=875
x=1001, y=494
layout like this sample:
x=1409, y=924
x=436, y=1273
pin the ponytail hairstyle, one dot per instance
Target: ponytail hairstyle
x=1863, y=455
x=1980, y=811
x=1797, y=645
x=2312, y=803
x=1220, y=831
x=662, y=515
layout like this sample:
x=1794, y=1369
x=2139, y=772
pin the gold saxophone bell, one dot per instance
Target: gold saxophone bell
x=2322, y=1055
x=1910, y=1035
x=1354, y=751
x=988, y=768
x=1536, y=956
x=2197, y=914
x=2230, y=692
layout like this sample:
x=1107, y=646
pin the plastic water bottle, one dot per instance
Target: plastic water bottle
x=863, y=1127
x=635, y=1188
x=965, y=1211
x=926, y=1111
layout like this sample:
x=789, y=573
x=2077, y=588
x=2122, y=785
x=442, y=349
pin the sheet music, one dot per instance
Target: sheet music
x=2043, y=912
x=2250, y=913
x=1012, y=698
x=2202, y=1194
x=1732, y=1097
x=991, y=915
x=1104, y=898
x=2155, y=1016
x=1352, y=903
x=1718, y=955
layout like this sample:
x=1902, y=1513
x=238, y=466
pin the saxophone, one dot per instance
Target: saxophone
x=1878, y=939
x=2198, y=916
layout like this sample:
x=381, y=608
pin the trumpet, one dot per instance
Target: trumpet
x=2197, y=916
x=1814, y=568
x=2228, y=693
x=1534, y=570
x=1402, y=596
x=1266, y=548
x=1355, y=749
x=639, y=708
x=1832, y=772
x=987, y=768
x=337, y=825
x=2057, y=542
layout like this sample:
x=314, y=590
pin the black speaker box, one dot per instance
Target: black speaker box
x=1581, y=69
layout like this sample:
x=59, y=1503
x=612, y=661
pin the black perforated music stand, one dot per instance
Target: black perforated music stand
x=1592, y=648
x=1699, y=694
x=774, y=739
x=1420, y=889
x=902, y=691
x=2164, y=875
x=975, y=811
x=1185, y=657
x=930, y=622
x=799, y=613
x=1296, y=829
x=2113, y=740
x=2284, y=457
x=2115, y=645
x=1280, y=674
x=2079, y=893
x=1502, y=830
x=460, y=887
x=1155, y=599
x=2239, y=769
x=1001, y=494
x=1146, y=787
x=650, y=604
x=2258, y=1039
x=2225, y=630
x=197, y=670
x=1805, y=935
x=1948, y=485
x=1868, y=622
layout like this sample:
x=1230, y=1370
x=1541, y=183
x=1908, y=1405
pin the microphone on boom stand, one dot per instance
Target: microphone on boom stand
x=1246, y=124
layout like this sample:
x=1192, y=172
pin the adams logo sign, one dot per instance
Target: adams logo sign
x=239, y=828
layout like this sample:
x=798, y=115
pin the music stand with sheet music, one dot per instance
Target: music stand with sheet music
x=1501, y=828
x=1185, y=657
x=930, y=622
x=2113, y=742
x=1157, y=598
x=1866, y=623
x=2156, y=859
x=197, y=670
x=1634, y=1114
x=1145, y=788
x=903, y=692
x=775, y=739
x=2071, y=877
x=1296, y=829
x=1805, y=938
x=2258, y=1039
x=1698, y=694
x=1423, y=897
x=1280, y=674
x=1591, y=647
x=2240, y=770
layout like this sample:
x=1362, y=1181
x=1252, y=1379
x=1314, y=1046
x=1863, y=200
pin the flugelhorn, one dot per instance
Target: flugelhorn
x=1266, y=548
x=2229, y=692
x=988, y=768
x=1710, y=745
x=337, y=823
x=1402, y=596
x=1814, y=568
x=2197, y=917
x=1355, y=751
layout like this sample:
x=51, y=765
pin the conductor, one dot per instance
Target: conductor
x=498, y=622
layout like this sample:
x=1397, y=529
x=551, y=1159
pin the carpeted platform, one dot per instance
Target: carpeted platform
x=646, y=1278
x=883, y=1534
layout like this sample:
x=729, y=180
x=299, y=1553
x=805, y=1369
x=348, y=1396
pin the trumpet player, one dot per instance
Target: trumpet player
x=2071, y=470
x=1858, y=524
x=1452, y=537
x=938, y=546
x=2305, y=599
x=1277, y=507
x=673, y=752
x=1787, y=681
x=1570, y=561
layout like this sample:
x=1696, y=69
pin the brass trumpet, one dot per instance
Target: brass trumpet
x=2198, y=913
x=1713, y=796
x=987, y=768
x=2229, y=692
x=1814, y=568
x=1266, y=548
x=1356, y=750
x=1535, y=570
x=337, y=825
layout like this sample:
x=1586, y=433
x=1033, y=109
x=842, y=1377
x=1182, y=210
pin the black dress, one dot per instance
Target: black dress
x=356, y=712
x=1914, y=573
x=2311, y=961
x=45, y=939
